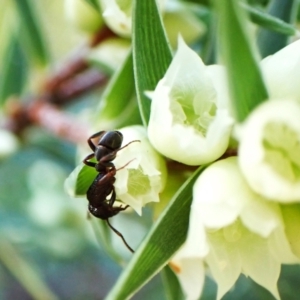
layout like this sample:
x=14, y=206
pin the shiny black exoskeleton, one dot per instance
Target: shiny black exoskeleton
x=105, y=145
x=108, y=143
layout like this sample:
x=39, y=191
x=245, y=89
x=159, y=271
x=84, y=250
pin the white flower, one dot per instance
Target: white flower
x=232, y=230
x=117, y=15
x=282, y=71
x=144, y=177
x=189, y=120
x=269, y=150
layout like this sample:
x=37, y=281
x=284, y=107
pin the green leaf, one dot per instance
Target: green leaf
x=245, y=80
x=34, y=40
x=80, y=180
x=151, y=52
x=14, y=70
x=24, y=271
x=270, y=42
x=118, y=107
x=166, y=236
x=270, y=22
x=172, y=286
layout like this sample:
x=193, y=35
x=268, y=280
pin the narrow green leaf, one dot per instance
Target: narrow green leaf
x=24, y=271
x=80, y=180
x=172, y=286
x=151, y=52
x=34, y=39
x=269, y=22
x=270, y=42
x=245, y=80
x=118, y=106
x=14, y=70
x=164, y=239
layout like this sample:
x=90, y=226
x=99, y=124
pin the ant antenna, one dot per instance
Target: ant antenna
x=125, y=165
x=134, y=141
x=120, y=235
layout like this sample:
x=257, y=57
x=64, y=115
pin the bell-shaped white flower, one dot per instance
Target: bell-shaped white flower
x=281, y=72
x=269, y=150
x=232, y=230
x=144, y=176
x=189, y=120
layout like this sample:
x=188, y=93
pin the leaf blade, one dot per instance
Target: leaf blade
x=270, y=22
x=270, y=42
x=166, y=236
x=171, y=283
x=151, y=52
x=247, y=88
x=14, y=70
x=118, y=106
x=34, y=39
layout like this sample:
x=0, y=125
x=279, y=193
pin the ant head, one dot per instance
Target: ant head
x=111, y=139
x=102, y=151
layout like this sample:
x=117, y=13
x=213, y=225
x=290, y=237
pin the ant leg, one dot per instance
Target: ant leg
x=89, y=163
x=120, y=235
x=113, y=197
x=90, y=142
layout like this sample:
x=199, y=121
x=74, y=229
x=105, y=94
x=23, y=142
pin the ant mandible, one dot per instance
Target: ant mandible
x=105, y=151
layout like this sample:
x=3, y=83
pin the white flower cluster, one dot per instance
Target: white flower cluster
x=238, y=220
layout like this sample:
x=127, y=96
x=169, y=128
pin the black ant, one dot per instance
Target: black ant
x=105, y=151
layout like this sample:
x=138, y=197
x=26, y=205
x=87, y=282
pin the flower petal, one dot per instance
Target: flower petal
x=269, y=150
x=190, y=272
x=144, y=176
x=257, y=262
x=281, y=72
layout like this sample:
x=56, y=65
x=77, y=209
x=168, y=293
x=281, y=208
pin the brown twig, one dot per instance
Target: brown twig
x=76, y=63
x=76, y=86
x=73, y=79
x=57, y=122
x=46, y=115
